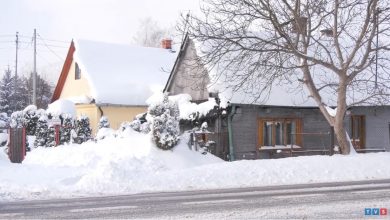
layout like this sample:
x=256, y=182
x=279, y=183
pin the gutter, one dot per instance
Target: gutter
x=101, y=111
x=230, y=132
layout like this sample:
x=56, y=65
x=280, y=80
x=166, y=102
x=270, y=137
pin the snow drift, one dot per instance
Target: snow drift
x=130, y=163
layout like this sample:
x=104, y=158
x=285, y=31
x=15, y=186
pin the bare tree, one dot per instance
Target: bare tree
x=150, y=34
x=337, y=49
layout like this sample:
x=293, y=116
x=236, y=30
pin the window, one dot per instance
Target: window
x=77, y=72
x=358, y=131
x=280, y=131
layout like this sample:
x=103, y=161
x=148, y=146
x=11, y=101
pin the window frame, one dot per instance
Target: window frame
x=298, y=130
x=77, y=71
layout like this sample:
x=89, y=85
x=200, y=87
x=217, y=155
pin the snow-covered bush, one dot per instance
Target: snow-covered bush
x=136, y=125
x=145, y=127
x=51, y=139
x=165, y=123
x=66, y=128
x=103, y=122
x=41, y=132
x=104, y=129
x=62, y=107
x=4, y=120
x=140, y=124
x=83, y=130
x=124, y=125
x=17, y=119
x=30, y=116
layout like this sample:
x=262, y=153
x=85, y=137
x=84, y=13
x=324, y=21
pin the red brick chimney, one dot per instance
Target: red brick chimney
x=166, y=43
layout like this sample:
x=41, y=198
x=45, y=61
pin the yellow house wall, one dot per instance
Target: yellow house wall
x=73, y=87
x=118, y=114
x=115, y=114
x=91, y=111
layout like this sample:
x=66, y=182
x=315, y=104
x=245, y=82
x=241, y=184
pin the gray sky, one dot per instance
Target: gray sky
x=61, y=20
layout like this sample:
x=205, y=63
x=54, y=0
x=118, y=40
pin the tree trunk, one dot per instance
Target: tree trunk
x=341, y=137
x=339, y=128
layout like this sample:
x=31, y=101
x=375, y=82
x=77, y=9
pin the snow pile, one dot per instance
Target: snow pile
x=132, y=164
x=62, y=106
x=3, y=139
x=104, y=129
x=82, y=99
x=187, y=108
x=104, y=132
x=111, y=166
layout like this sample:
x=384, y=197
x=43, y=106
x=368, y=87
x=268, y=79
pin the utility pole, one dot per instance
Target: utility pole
x=34, y=98
x=377, y=45
x=16, y=62
x=17, y=47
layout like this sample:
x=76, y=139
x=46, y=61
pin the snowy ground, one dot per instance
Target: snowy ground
x=132, y=164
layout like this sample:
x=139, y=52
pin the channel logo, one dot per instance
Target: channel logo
x=375, y=211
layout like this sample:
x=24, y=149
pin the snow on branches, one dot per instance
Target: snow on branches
x=165, y=123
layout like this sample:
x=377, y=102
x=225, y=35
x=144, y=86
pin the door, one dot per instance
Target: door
x=358, y=131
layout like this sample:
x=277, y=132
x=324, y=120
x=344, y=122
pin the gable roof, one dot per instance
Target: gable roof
x=119, y=74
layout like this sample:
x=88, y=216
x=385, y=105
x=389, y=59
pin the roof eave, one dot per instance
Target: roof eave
x=64, y=73
x=183, y=47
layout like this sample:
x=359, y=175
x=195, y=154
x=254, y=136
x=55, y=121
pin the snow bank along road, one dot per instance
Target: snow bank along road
x=320, y=200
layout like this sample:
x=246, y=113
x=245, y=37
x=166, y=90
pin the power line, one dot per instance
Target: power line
x=52, y=45
x=59, y=41
x=45, y=44
x=48, y=63
x=29, y=37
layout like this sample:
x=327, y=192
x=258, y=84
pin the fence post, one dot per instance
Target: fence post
x=331, y=151
x=17, y=145
x=57, y=134
x=292, y=143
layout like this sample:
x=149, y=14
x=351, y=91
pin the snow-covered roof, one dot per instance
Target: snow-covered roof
x=187, y=108
x=290, y=90
x=281, y=93
x=123, y=74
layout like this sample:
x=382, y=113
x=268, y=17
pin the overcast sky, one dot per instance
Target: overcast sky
x=61, y=20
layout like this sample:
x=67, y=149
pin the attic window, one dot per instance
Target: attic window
x=77, y=72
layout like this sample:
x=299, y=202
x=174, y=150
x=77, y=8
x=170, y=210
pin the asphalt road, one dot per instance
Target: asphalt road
x=330, y=201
